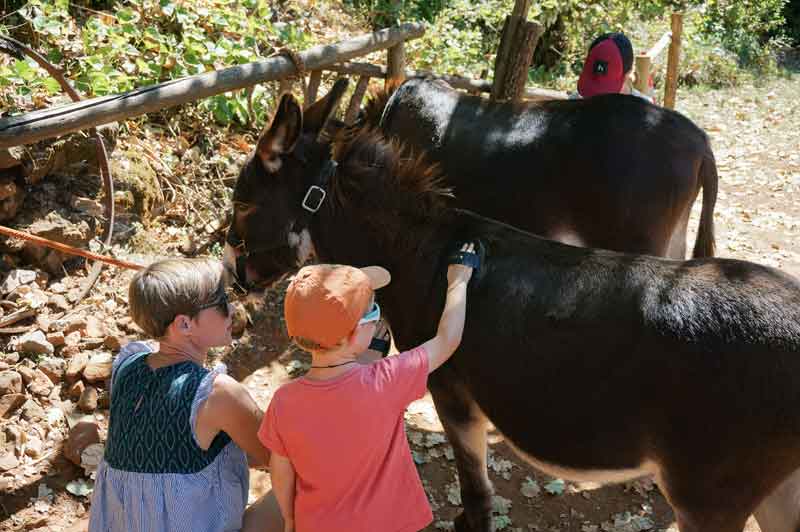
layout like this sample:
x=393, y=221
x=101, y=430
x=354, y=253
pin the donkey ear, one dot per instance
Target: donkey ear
x=282, y=134
x=317, y=114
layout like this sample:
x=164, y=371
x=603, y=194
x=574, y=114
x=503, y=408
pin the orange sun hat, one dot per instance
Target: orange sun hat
x=324, y=302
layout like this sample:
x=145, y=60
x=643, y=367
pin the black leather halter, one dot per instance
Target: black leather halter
x=312, y=202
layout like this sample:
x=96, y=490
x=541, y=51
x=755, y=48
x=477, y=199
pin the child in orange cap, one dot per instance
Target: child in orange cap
x=340, y=459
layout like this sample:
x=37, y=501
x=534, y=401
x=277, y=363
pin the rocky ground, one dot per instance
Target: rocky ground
x=56, y=349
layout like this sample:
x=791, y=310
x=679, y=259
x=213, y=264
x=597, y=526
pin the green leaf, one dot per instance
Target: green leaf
x=52, y=86
x=80, y=487
x=555, y=487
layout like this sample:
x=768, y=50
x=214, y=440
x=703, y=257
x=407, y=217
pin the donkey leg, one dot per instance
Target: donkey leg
x=705, y=522
x=465, y=426
x=780, y=511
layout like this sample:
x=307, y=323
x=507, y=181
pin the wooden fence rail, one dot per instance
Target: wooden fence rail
x=38, y=125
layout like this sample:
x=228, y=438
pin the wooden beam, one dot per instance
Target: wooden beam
x=457, y=82
x=659, y=47
x=673, y=61
x=38, y=125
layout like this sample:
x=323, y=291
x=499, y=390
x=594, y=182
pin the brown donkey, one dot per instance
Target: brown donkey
x=689, y=371
x=611, y=172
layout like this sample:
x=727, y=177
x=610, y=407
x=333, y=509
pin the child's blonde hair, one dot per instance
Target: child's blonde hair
x=165, y=289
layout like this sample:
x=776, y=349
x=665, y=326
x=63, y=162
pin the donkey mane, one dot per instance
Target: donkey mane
x=408, y=182
x=372, y=112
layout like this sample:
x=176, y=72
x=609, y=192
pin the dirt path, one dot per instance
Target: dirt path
x=756, y=138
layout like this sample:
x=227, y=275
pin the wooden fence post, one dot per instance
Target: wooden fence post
x=515, y=53
x=644, y=63
x=673, y=60
x=313, y=86
x=396, y=57
x=355, y=101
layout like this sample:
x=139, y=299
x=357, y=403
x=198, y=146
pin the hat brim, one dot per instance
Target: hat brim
x=378, y=277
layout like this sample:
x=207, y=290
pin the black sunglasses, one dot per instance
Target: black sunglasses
x=221, y=302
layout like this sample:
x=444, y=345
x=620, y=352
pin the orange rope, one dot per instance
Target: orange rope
x=68, y=249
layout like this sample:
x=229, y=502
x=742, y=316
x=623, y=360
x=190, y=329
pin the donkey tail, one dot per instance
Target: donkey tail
x=704, y=244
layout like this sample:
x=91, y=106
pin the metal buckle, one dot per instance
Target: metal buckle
x=314, y=208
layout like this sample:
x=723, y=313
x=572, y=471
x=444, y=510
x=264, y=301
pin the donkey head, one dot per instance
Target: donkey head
x=278, y=191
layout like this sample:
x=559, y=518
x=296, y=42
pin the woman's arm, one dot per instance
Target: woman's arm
x=283, y=478
x=230, y=408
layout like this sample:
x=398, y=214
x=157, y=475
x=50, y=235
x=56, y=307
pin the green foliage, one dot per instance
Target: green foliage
x=720, y=35
x=792, y=15
x=745, y=27
x=143, y=42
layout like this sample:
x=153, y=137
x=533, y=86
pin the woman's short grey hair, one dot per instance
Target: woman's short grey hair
x=165, y=289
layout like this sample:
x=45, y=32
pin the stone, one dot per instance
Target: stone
x=70, y=351
x=91, y=456
x=34, y=298
x=104, y=400
x=54, y=368
x=73, y=338
x=31, y=411
x=44, y=322
x=10, y=358
x=41, y=383
x=94, y=328
x=8, y=461
x=82, y=435
x=34, y=447
x=35, y=342
x=59, y=302
x=10, y=403
x=12, y=196
x=239, y=321
x=76, y=390
x=17, y=278
x=77, y=323
x=10, y=382
x=76, y=365
x=27, y=374
x=113, y=342
x=55, y=227
x=98, y=368
x=92, y=342
x=88, y=400
x=56, y=338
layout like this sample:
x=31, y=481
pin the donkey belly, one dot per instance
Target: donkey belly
x=586, y=474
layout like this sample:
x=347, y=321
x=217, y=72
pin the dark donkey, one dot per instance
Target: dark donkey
x=611, y=172
x=685, y=370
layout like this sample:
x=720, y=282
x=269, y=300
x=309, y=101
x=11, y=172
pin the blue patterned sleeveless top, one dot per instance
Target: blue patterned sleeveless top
x=150, y=424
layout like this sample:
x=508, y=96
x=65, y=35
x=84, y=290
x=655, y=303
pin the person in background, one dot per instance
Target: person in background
x=608, y=68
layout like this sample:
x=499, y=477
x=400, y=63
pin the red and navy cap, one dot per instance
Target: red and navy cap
x=610, y=59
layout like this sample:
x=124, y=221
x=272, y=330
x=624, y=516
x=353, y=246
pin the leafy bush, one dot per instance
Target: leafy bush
x=145, y=42
x=746, y=27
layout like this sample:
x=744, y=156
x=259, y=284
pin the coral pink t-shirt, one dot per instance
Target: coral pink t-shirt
x=346, y=440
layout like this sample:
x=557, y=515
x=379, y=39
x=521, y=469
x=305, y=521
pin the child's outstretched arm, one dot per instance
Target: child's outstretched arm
x=283, y=478
x=231, y=408
x=451, y=324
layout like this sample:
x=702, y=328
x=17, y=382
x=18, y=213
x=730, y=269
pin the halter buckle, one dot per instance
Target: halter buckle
x=314, y=193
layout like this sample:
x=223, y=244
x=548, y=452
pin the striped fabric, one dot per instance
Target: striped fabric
x=211, y=499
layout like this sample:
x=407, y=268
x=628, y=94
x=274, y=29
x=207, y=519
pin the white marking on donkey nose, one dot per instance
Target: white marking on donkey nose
x=302, y=244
